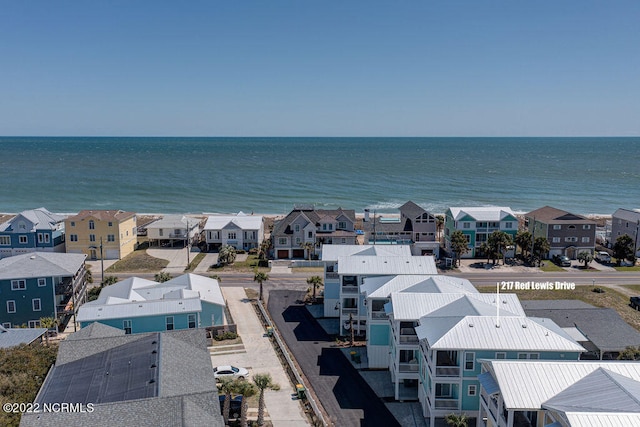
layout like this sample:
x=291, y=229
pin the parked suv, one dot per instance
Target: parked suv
x=603, y=257
x=634, y=302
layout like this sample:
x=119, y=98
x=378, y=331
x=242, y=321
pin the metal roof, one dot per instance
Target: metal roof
x=600, y=419
x=483, y=333
x=240, y=220
x=333, y=252
x=41, y=219
x=386, y=265
x=383, y=286
x=627, y=214
x=527, y=385
x=40, y=264
x=136, y=297
x=482, y=213
x=413, y=306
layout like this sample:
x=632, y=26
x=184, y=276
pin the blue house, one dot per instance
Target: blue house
x=139, y=305
x=30, y=231
x=452, y=345
x=40, y=284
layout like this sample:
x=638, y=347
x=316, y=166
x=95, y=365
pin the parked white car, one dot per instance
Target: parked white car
x=602, y=257
x=230, y=372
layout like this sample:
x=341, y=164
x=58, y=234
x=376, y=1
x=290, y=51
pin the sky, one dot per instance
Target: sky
x=310, y=68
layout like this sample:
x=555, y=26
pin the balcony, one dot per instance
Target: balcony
x=331, y=275
x=408, y=367
x=349, y=310
x=441, y=403
x=349, y=289
x=447, y=371
x=379, y=315
x=408, y=336
x=177, y=235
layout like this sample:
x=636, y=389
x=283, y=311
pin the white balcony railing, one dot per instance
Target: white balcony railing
x=446, y=403
x=447, y=371
x=379, y=315
x=349, y=289
x=408, y=367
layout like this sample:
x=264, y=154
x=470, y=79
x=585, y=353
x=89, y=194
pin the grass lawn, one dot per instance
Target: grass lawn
x=634, y=268
x=138, y=262
x=319, y=270
x=247, y=266
x=634, y=287
x=194, y=262
x=609, y=299
x=551, y=267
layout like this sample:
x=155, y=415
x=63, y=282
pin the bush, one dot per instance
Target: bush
x=228, y=335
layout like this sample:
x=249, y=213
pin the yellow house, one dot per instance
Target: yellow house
x=102, y=234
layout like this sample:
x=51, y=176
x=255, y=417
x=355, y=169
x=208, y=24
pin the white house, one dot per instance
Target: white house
x=241, y=231
x=173, y=228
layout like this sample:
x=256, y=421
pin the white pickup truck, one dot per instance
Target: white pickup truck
x=603, y=257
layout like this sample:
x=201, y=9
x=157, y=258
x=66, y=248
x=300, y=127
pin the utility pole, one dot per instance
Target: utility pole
x=188, y=241
x=101, y=263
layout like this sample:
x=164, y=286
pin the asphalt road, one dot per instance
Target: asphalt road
x=343, y=393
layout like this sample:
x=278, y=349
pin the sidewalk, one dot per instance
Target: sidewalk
x=260, y=357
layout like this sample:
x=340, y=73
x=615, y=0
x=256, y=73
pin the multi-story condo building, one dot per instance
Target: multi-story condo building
x=30, y=231
x=330, y=256
x=305, y=225
x=559, y=393
x=626, y=221
x=414, y=226
x=477, y=223
x=41, y=284
x=352, y=272
x=568, y=234
x=240, y=231
x=102, y=234
x=451, y=346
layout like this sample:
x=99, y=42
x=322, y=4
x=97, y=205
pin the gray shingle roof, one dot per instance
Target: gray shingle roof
x=550, y=215
x=313, y=216
x=40, y=264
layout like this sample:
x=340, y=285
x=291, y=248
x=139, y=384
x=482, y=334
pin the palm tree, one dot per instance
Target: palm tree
x=260, y=277
x=540, y=247
x=162, y=277
x=263, y=382
x=457, y=420
x=246, y=389
x=315, y=282
x=308, y=247
x=263, y=251
x=439, y=226
x=227, y=386
x=523, y=239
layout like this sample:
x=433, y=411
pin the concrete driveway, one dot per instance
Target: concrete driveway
x=177, y=258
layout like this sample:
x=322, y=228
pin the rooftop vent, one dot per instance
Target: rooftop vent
x=524, y=326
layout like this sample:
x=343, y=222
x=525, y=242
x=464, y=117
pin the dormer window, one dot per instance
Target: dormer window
x=92, y=225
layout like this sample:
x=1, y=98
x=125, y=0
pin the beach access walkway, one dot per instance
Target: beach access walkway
x=256, y=354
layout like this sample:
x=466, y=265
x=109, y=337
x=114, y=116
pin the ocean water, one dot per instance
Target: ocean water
x=270, y=175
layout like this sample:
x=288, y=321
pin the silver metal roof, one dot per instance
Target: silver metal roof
x=240, y=220
x=333, y=252
x=481, y=213
x=11, y=337
x=386, y=265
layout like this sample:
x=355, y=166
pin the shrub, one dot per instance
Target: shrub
x=227, y=335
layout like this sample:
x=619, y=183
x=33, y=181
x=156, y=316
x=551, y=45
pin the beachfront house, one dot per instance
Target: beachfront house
x=626, y=221
x=306, y=225
x=108, y=378
x=452, y=345
x=435, y=296
x=30, y=231
x=331, y=254
x=414, y=226
x=171, y=230
x=241, y=231
x=354, y=270
x=41, y=284
x=102, y=234
x=477, y=223
x=559, y=393
x=567, y=233
x=139, y=305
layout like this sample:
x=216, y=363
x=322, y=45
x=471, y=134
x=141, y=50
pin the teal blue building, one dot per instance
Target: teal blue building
x=477, y=223
x=137, y=305
x=40, y=284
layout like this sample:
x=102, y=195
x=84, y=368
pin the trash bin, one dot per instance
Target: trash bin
x=269, y=331
x=300, y=391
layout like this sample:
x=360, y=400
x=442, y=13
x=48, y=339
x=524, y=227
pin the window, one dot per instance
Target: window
x=344, y=240
x=297, y=228
x=6, y=325
x=298, y=240
x=72, y=223
x=282, y=240
x=92, y=237
x=232, y=235
x=572, y=227
x=73, y=237
x=18, y=285
x=471, y=390
x=585, y=240
x=22, y=240
x=161, y=232
x=528, y=356
x=40, y=238
x=443, y=390
x=555, y=240
x=342, y=225
x=508, y=225
x=35, y=304
x=310, y=234
x=557, y=227
x=192, y=321
x=11, y=306
x=110, y=224
x=126, y=325
x=586, y=226
x=324, y=226
x=570, y=239
x=169, y=322
x=466, y=225
x=34, y=323
x=501, y=355
x=5, y=240
x=46, y=238
x=469, y=361
x=42, y=282
x=111, y=237
x=92, y=225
